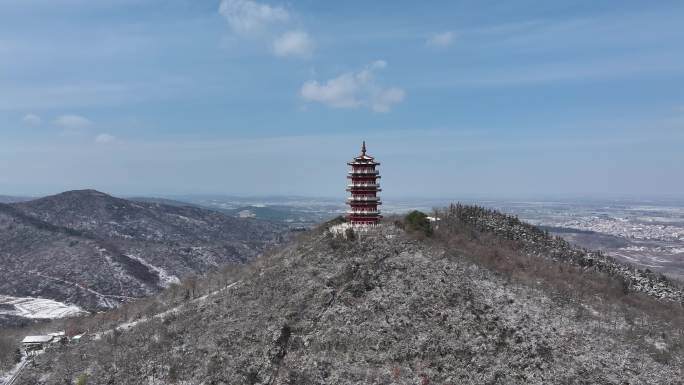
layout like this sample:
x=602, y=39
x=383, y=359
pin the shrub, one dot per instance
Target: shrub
x=349, y=234
x=173, y=373
x=336, y=221
x=419, y=222
x=82, y=379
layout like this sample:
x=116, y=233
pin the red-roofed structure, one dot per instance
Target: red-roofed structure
x=364, y=188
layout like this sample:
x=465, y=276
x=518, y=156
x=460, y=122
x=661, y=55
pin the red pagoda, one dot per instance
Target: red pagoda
x=364, y=189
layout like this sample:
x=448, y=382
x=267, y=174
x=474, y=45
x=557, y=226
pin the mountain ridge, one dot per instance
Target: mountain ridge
x=94, y=250
x=535, y=241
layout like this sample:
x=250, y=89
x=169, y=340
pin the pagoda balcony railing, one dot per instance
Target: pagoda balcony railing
x=363, y=185
x=372, y=172
x=363, y=212
x=364, y=199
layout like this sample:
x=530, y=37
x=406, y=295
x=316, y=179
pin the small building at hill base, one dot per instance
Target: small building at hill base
x=30, y=343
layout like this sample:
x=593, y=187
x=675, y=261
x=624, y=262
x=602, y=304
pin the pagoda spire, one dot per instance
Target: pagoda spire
x=363, y=148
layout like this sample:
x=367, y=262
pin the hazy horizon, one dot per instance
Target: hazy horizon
x=482, y=197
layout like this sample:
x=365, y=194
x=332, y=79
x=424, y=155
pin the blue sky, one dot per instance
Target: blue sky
x=455, y=98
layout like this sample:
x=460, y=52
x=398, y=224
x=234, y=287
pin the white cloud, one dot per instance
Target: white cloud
x=73, y=122
x=354, y=89
x=104, y=138
x=443, y=39
x=265, y=23
x=247, y=17
x=383, y=99
x=339, y=92
x=293, y=43
x=32, y=119
x=378, y=64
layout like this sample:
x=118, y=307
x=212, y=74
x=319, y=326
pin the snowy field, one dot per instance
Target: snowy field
x=37, y=308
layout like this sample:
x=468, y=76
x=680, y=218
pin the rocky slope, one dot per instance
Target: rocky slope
x=538, y=243
x=94, y=250
x=389, y=308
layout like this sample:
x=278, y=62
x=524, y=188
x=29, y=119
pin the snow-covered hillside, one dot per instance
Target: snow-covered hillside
x=95, y=251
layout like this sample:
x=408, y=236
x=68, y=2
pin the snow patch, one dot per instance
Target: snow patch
x=187, y=219
x=246, y=214
x=634, y=248
x=103, y=299
x=38, y=308
x=591, y=310
x=341, y=229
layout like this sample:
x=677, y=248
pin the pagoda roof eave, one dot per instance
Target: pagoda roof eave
x=356, y=162
x=364, y=157
x=364, y=204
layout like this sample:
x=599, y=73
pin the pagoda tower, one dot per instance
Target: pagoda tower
x=364, y=188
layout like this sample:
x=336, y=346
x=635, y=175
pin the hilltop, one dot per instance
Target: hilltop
x=471, y=301
x=511, y=233
x=93, y=250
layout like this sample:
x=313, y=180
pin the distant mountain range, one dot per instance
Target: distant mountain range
x=13, y=199
x=290, y=210
x=94, y=250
